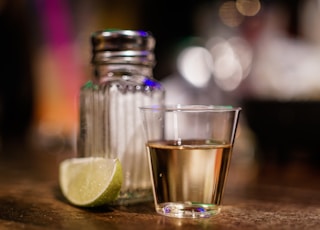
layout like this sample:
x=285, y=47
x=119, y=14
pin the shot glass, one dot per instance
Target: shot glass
x=189, y=149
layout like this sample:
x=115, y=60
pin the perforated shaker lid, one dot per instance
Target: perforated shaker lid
x=123, y=46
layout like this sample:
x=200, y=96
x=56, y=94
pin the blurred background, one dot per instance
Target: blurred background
x=262, y=55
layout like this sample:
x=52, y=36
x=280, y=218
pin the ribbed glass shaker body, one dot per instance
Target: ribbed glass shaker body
x=110, y=123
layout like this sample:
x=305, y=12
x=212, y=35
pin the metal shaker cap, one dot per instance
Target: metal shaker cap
x=123, y=46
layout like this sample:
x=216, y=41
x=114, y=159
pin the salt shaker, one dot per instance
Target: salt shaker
x=110, y=123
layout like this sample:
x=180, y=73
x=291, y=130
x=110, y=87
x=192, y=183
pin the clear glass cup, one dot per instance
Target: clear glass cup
x=189, y=151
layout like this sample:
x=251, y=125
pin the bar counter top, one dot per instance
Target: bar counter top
x=255, y=198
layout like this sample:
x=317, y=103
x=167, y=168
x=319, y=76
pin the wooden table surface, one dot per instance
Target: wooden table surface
x=255, y=198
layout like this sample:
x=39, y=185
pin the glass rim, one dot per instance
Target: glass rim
x=191, y=108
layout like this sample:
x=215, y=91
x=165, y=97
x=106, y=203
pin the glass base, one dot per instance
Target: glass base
x=133, y=197
x=188, y=210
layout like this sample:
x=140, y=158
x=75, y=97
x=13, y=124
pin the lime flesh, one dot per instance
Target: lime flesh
x=91, y=181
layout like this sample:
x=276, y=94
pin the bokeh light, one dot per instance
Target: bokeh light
x=229, y=14
x=232, y=61
x=248, y=7
x=244, y=52
x=194, y=64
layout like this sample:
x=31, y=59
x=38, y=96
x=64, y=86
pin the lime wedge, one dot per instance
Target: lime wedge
x=91, y=181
